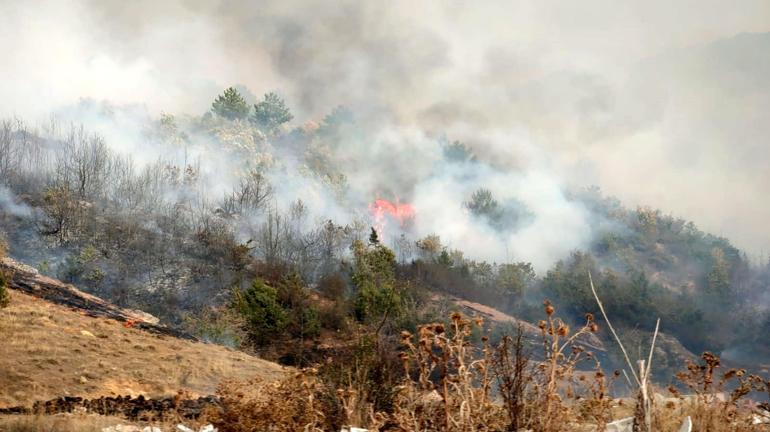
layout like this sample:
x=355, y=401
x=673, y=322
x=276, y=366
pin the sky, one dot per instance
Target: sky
x=661, y=103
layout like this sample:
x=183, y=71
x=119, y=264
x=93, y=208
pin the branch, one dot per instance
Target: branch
x=604, y=314
x=652, y=347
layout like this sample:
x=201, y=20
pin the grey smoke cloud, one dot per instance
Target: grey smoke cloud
x=10, y=205
x=658, y=102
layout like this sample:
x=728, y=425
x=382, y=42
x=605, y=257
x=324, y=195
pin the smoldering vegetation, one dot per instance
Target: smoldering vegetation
x=591, y=93
x=179, y=215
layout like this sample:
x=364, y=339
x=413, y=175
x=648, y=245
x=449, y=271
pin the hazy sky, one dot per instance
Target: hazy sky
x=665, y=103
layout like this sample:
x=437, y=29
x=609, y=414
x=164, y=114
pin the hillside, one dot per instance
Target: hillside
x=52, y=350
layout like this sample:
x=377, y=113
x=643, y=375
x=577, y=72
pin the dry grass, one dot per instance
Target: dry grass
x=50, y=351
x=448, y=386
x=292, y=404
x=452, y=386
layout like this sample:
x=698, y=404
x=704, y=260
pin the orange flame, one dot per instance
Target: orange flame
x=382, y=208
x=401, y=212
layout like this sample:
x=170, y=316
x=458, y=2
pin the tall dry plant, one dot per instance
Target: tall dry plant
x=449, y=385
x=513, y=372
x=713, y=407
x=446, y=388
x=561, y=355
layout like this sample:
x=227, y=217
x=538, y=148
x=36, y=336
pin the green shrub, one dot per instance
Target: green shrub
x=307, y=323
x=221, y=326
x=5, y=298
x=377, y=297
x=264, y=316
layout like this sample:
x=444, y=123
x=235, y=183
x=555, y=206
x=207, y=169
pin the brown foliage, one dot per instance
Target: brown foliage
x=451, y=385
x=291, y=404
x=712, y=407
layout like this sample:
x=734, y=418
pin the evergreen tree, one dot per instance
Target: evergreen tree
x=513, y=280
x=340, y=118
x=230, y=105
x=718, y=278
x=374, y=239
x=259, y=305
x=457, y=152
x=374, y=276
x=483, y=204
x=271, y=113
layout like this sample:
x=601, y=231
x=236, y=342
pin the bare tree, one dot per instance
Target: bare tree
x=60, y=214
x=8, y=152
x=83, y=163
x=249, y=196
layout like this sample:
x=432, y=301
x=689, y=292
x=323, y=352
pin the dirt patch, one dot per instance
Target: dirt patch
x=50, y=350
x=26, y=279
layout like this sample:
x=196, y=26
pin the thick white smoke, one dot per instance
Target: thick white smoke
x=654, y=101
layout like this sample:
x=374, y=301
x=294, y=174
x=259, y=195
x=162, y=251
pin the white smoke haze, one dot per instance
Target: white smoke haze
x=10, y=205
x=660, y=103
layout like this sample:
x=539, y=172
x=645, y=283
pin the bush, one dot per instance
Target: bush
x=301, y=314
x=377, y=297
x=221, y=326
x=264, y=316
x=3, y=245
x=333, y=315
x=332, y=286
x=5, y=297
x=291, y=404
x=442, y=381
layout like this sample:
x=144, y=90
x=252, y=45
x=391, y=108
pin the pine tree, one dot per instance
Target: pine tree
x=719, y=277
x=259, y=306
x=230, y=105
x=458, y=152
x=374, y=239
x=271, y=113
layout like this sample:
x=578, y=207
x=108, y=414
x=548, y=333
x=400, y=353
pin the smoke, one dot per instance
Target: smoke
x=658, y=102
x=9, y=205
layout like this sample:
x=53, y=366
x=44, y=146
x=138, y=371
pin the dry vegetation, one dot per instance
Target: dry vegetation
x=452, y=379
x=451, y=386
x=50, y=351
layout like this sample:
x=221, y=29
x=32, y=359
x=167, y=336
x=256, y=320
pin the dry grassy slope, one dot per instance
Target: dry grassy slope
x=48, y=350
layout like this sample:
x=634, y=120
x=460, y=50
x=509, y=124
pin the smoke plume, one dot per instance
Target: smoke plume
x=654, y=103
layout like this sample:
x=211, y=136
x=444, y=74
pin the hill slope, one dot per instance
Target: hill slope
x=52, y=350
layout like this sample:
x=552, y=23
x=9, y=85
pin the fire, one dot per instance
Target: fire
x=400, y=212
x=382, y=210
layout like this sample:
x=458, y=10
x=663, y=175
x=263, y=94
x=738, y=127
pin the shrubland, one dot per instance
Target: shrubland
x=444, y=381
x=251, y=266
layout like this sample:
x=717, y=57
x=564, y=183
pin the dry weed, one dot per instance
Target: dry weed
x=714, y=408
x=291, y=404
